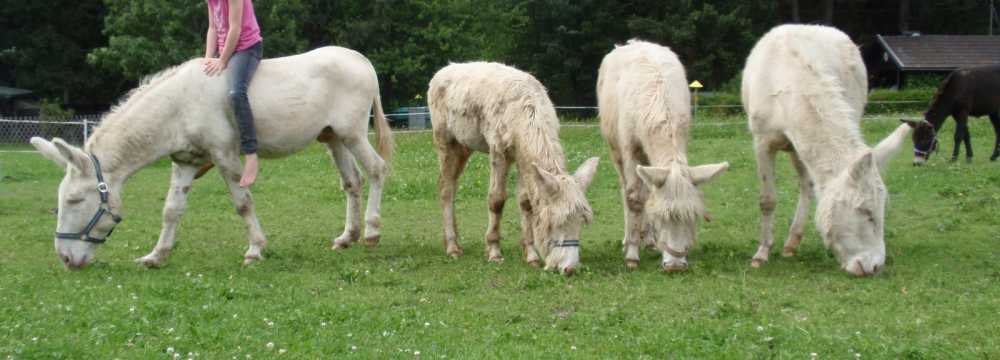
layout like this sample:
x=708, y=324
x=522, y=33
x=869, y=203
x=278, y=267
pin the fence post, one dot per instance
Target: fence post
x=85, y=130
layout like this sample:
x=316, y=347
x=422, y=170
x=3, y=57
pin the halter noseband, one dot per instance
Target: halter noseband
x=105, y=208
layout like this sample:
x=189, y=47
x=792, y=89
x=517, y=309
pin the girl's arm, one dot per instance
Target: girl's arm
x=235, y=27
x=216, y=66
x=210, y=37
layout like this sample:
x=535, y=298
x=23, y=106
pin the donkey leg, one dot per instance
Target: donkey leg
x=797, y=229
x=958, y=138
x=531, y=255
x=995, y=120
x=451, y=161
x=231, y=171
x=350, y=180
x=497, y=197
x=966, y=137
x=376, y=170
x=768, y=201
x=635, y=194
x=180, y=183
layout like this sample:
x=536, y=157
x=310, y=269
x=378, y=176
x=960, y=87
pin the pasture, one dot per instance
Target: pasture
x=937, y=297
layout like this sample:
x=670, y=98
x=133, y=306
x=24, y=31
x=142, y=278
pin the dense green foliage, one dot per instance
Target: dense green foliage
x=90, y=51
x=937, y=297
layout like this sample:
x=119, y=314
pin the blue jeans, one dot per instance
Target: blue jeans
x=242, y=66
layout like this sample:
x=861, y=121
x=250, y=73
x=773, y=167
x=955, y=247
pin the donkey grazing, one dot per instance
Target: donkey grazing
x=804, y=90
x=645, y=110
x=972, y=91
x=502, y=111
x=325, y=94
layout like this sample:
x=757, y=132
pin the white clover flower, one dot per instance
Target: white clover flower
x=270, y=345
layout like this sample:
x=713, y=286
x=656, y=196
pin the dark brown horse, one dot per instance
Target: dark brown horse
x=969, y=91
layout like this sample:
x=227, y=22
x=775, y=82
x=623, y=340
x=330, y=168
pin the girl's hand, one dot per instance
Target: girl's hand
x=214, y=66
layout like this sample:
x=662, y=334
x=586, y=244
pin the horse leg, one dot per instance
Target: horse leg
x=635, y=194
x=231, y=170
x=497, y=197
x=959, y=125
x=966, y=137
x=451, y=162
x=531, y=255
x=802, y=209
x=376, y=170
x=182, y=175
x=768, y=201
x=350, y=180
x=995, y=121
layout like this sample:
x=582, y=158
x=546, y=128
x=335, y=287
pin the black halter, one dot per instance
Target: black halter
x=934, y=142
x=564, y=243
x=105, y=208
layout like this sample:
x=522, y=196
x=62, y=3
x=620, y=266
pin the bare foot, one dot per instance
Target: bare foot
x=249, y=171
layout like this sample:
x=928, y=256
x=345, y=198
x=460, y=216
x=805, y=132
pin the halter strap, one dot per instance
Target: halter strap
x=105, y=208
x=934, y=142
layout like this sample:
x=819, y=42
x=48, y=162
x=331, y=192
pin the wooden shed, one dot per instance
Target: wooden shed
x=937, y=53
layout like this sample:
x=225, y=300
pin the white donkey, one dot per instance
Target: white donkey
x=645, y=110
x=804, y=90
x=324, y=95
x=496, y=109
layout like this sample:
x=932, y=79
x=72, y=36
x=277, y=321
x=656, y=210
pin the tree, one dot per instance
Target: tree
x=46, y=45
x=148, y=36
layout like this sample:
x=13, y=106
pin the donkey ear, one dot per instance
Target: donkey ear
x=888, y=146
x=705, y=173
x=49, y=151
x=76, y=157
x=585, y=173
x=545, y=178
x=654, y=177
x=863, y=167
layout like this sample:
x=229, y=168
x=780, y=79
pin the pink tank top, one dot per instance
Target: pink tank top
x=250, y=33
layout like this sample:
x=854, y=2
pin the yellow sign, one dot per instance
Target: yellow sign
x=696, y=85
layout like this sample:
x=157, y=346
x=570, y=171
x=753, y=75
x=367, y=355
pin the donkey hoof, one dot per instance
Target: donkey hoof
x=631, y=264
x=340, y=245
x=954, y=159
x=372, y=241
x=455, y=252
x=757, y=263
x=788, y=252
x=149, y=262
x=247, y=260
x=674, y=268
x=535, y=263
x=968, y=160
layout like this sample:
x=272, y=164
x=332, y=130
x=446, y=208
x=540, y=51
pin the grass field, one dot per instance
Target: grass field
x=938, y=296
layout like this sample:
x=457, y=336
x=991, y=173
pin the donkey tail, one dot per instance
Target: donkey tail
x=383, y=133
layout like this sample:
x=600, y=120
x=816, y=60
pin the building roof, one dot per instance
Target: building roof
x=941, y=52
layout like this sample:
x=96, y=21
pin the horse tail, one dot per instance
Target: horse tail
x=383, y=133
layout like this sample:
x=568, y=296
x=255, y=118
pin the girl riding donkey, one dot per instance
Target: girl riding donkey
x=242, y=47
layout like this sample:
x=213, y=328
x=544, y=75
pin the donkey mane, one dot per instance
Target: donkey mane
x=538, y=138
x=826, y=95
x=655, y=107
x=113, y=121
x=936, y=100
x=146, y=83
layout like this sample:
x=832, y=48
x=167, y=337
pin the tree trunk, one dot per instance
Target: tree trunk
x=828, y=12
x=904, y=16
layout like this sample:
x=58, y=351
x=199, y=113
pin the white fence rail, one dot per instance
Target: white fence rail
x=76, y=129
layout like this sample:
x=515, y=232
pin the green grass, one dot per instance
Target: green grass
x=937, y=298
